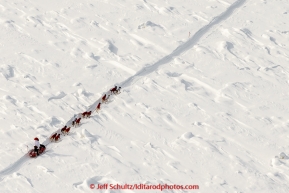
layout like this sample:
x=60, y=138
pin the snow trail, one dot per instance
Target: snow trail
x=14, y=167
x=187, y=45
x=214, y=115
x=17, y=164
x=147, y=70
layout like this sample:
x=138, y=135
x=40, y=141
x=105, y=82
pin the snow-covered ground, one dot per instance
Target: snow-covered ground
x=204, y=100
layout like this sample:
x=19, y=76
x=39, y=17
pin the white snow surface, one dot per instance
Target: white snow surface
x=204, y=99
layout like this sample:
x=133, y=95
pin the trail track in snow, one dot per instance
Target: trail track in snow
x=14, y=167
x=185, y=46
x=147, y=70
x=17, y=164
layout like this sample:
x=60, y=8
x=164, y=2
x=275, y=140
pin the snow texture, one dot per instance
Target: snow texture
x=204, y=98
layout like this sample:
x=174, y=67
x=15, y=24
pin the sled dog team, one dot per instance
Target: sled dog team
x=76, y=122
